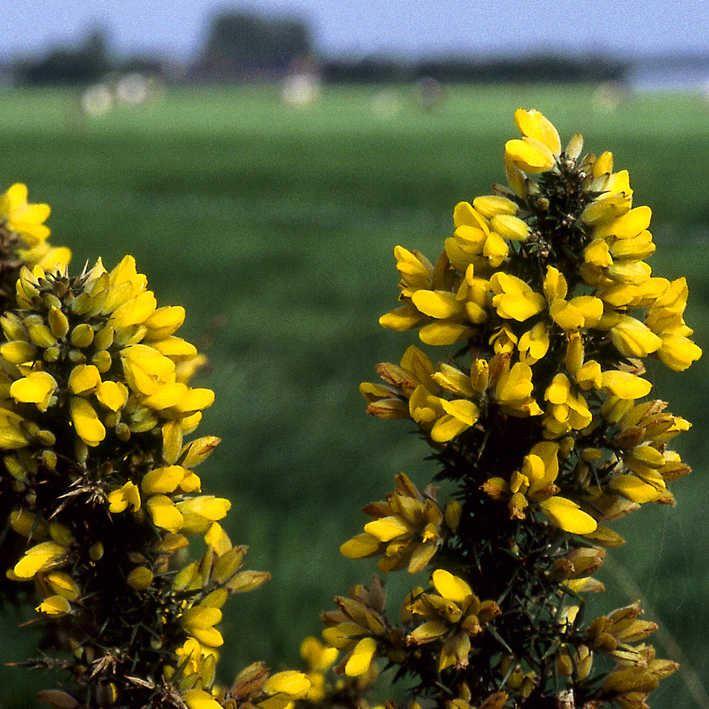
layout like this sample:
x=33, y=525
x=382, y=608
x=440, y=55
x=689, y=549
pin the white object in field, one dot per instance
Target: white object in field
x=133, y=89
x=96, y=100
x=609, y=96
x=300, y=90
x=386, y=103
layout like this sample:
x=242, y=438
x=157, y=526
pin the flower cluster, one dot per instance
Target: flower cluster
x=539, y=416
x=96, y=420
x=23, y=241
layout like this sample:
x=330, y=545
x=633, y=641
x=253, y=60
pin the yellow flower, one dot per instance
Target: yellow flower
x=36, y=388
x=514, y=299
x=24, y=218
x=126, y=496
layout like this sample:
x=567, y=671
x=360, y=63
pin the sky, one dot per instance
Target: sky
x=359, y=27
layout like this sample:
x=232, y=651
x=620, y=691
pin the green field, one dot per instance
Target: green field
x=274, y=227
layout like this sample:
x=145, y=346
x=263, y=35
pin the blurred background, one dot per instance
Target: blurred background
x=261, y=161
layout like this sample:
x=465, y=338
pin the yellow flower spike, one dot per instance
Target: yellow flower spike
x=451, y=587
x=87, y=424
x=568, y=516
x=361, y=658
x=84, y=378
x=40, y=557
x=54, y=605
x=126, y=496
x=534, y=124
x=291, y=683
x=164, y=513
x=36, y=388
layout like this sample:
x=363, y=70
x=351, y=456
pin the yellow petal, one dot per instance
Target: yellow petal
x=164, y=513
x=113, y=395
x=294, y=684
x=54, y=605
x=199, y=699
x=443, y=333
x=437, y=304
x=134, y=311
x=463, y=410
x=39, y=558
x=361, y=657
x=529, y=155
x=567, y=515
x=634, y=489
x=36, y=388
x=18, y=351
x=452, y=588
x=84, y=378
x=86, y=423
x=163, y=480
x=510, y=227
x=360, y=546
x=387, y=528
x=625, y=385
x=535, y=124
x=490, y=205
x=207, y=506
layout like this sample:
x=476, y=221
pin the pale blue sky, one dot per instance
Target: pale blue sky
x=410, y=27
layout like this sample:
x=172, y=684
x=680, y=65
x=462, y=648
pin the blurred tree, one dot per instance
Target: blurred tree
x=241, y=45
x=64, y=65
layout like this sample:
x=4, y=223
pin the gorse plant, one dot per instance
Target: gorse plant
x=539, y=419
x=98, y=489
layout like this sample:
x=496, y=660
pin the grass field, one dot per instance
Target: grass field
x=275, y=228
